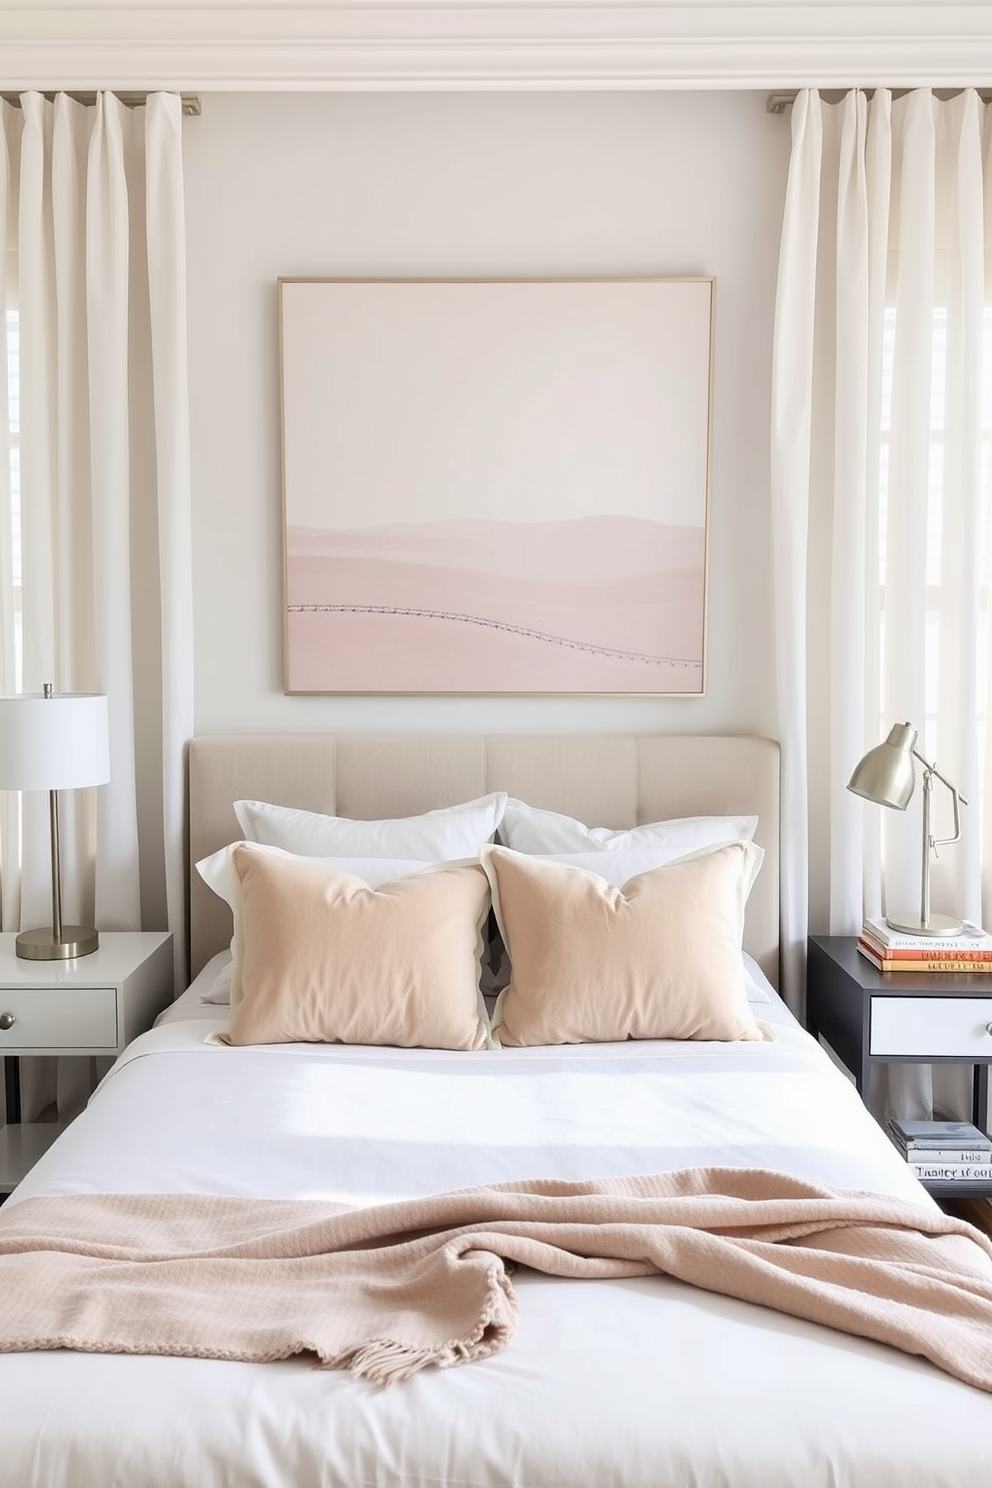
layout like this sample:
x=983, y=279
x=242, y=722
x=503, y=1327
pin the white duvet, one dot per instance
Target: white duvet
x=643, y=1383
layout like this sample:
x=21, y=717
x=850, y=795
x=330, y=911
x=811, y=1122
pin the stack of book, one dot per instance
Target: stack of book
x=944, y=1151
x=891, y=950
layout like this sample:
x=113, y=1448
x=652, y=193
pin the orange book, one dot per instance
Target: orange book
x=927, y=963
x=916, y=953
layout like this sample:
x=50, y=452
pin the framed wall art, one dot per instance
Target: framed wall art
x=495, y=486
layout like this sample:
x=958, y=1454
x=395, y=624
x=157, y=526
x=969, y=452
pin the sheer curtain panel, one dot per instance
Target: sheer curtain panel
x=95, y=531
x=881, y=435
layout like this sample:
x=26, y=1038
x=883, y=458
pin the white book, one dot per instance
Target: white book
x=961, y=1135
x=948, y=1156
x=972, y=938
x=953, y=1172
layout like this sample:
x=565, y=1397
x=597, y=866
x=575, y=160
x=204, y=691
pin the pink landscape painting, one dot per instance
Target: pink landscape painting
x=601, y=604
x=496, y=486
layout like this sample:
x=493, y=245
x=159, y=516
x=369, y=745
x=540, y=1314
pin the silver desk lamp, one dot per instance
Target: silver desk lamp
x=887, y=776
x=54, y=742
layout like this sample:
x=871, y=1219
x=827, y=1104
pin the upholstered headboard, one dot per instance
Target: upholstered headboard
x=604, y=780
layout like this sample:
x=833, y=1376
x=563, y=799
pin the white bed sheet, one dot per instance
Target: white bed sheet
x=645, y=1383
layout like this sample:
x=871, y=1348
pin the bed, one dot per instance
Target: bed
x=644, y=1381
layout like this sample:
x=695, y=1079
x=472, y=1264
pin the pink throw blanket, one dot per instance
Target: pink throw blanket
x=385, y=1291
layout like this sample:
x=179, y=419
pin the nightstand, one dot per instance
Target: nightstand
x=93, y=1004
x=870, y=1017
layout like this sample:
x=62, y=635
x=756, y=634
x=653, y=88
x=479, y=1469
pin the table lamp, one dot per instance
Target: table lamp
x=887, y=776
x=54, y=742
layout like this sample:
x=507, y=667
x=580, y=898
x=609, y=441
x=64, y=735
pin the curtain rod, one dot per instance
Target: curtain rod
x=777, y=103
x=190, y=101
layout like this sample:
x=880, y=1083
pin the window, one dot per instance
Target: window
x=936, y=598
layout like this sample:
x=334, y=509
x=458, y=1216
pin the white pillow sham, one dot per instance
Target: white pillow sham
x=756, y=984
x=217, y=981
x=217, y=871
x=452, y=832
x=530, y=830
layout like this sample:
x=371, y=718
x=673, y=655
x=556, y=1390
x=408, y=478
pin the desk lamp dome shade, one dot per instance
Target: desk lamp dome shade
x=887, y=776
x=54, y=742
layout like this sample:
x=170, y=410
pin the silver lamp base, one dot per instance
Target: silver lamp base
x=41, y=945
x=936, y=925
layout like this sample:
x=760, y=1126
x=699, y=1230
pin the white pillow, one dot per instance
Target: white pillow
x=437, y=836
x=214, y=979
x=756, y=984
x=219, y=990
x=529, y=830
x=217, y=871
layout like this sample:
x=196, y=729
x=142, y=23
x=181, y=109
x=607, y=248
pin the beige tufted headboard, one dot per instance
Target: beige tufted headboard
x=604, y=780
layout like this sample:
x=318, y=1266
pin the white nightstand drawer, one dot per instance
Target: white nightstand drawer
x=948, y=1027
x=58, y=1017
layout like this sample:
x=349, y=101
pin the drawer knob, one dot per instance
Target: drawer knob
x=988, y=1026
x=7, y=1021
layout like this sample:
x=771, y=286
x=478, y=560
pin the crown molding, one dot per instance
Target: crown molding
x=225, y=45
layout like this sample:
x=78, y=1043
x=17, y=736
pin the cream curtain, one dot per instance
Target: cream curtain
x=881, y=429
x=94, y=275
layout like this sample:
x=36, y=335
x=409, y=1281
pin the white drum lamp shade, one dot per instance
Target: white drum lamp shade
x=54, y=742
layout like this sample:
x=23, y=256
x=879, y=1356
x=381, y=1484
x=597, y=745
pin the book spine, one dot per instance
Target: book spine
x=978, y=1143
x=930, y=963
x=952, y=1156
x=975, y=968
x=945, y=1172
x=896, y=953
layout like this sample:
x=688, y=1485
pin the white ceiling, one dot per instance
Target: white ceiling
x=487, y=44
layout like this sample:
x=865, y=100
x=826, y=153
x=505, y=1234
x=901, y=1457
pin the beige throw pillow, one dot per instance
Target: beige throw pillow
x=593, y=963
x=329, y=959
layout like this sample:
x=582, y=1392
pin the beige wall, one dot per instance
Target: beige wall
x=470, y=184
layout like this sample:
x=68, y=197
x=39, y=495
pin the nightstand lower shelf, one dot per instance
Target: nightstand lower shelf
x=952, y=1190
x=21, y=1145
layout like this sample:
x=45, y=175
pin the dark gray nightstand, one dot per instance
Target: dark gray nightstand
x=870, y=1017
